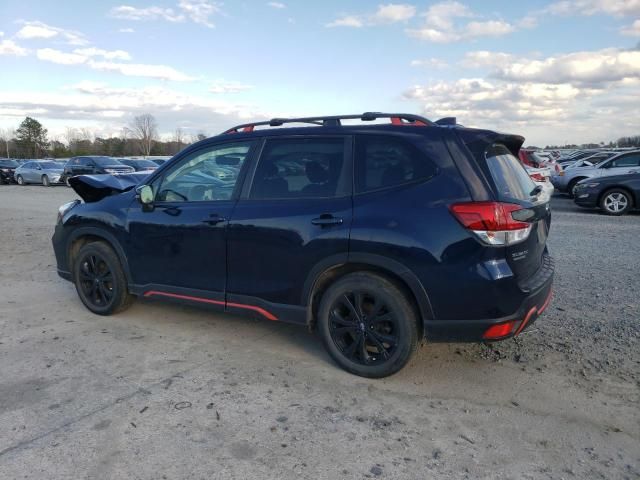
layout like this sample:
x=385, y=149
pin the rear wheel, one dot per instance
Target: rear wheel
x=368, y=325
x=45, y=181
x=20, y=180
x=616, y=202
x=100, y=280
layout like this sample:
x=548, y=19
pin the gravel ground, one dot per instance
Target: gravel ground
x=163, y=391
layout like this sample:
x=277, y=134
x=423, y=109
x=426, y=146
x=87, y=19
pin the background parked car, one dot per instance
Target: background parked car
x=46, y=172
x=622, y=163
x=614, y=195
x=92, y=165
x=140, y=165
x=7, y=169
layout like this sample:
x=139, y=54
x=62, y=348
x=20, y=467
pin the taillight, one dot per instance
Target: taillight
x=493, y=222
x=537, y=177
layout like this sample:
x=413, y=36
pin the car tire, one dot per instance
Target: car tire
x=368, y=325
x=616, y=201
x=66, y=182
x=572, y=185
x=20, y=180
x=45, y=181
x=100, y=280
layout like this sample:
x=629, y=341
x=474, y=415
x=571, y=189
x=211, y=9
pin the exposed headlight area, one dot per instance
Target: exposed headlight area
x=63, y=209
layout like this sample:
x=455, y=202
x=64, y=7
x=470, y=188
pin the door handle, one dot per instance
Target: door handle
x=214, y=219
x=326, y=219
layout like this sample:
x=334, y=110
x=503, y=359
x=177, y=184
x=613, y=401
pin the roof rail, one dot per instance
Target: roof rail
x=336, y=121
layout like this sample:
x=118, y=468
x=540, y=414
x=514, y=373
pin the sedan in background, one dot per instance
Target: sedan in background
x=620, y=164
x=140, y=165
x=614, y=195
x=46, y=172
x=7, y=169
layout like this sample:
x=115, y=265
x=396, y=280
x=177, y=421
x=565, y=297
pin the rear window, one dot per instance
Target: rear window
x=511, y=179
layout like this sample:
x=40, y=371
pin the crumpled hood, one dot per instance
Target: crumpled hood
x=93, y=188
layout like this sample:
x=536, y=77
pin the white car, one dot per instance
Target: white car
x=542, y=178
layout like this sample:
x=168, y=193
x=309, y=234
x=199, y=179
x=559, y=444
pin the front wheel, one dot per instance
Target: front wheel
x=100, y=280
x=45, y=181
x=368, y=325
x=616, y=202
x=20, y=180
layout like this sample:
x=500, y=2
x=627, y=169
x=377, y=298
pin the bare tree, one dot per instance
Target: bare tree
x=178, y=136
x=6, y=135
x=145, y=129
x=71, y=135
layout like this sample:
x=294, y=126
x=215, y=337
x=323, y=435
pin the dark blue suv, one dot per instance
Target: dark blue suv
x=376, y=234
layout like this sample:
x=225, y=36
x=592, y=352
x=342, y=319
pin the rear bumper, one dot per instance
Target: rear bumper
x=534, y=304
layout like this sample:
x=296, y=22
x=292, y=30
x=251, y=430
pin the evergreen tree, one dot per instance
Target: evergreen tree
x=31, y=138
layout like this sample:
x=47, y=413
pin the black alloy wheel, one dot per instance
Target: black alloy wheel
x=100, y=280
x=368, y=324
x=363, y=327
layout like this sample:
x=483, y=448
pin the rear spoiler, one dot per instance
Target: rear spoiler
x=478, y=140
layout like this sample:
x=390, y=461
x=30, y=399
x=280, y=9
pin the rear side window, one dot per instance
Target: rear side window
x=383, y=162
x=625, y=161
x=301, y=168
x=510, y=177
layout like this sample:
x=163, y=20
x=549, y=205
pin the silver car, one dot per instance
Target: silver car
x=620, y=164
x=46, y=172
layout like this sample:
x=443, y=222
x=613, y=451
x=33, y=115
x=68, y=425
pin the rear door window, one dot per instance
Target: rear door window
x=292, y=168
x=385, y=161
x=511, y=179
x=632, y=160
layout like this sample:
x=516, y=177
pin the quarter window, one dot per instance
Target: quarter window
x=301, y=168
x=206, y=175
x=383, y=162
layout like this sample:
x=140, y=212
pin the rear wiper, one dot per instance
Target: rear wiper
x=536, y=191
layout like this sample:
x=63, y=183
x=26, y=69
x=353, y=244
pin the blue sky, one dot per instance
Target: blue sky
x=554, y=71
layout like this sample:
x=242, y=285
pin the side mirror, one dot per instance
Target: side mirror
x=145, y=193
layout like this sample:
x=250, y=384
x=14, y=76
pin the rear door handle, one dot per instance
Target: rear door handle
x=326, y=219
x=214, y=219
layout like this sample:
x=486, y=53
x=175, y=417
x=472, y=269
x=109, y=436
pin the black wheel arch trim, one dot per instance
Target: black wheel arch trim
x=377, y=261
x=108, y=237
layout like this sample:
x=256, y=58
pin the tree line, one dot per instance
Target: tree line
x=140, y=137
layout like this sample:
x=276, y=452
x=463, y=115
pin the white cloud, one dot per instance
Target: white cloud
x=592, y=7
x=595, y=68
x=198, y=11
x=384, y=15
x=276, y=5
x=127, y=12
x=105, y=108
x=40, y=30
x=126, y=30
x=62, y=58
x=430, y=63
x=575, y=96
x=107, y=54
x=442, y=24
x=9, y=47
x=161, y=72
x=229, y=87
x=632, y=30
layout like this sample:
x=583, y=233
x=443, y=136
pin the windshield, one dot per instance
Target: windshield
x=145, y=163
x=8, y=163
x=511, y=179
x=105, y=161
